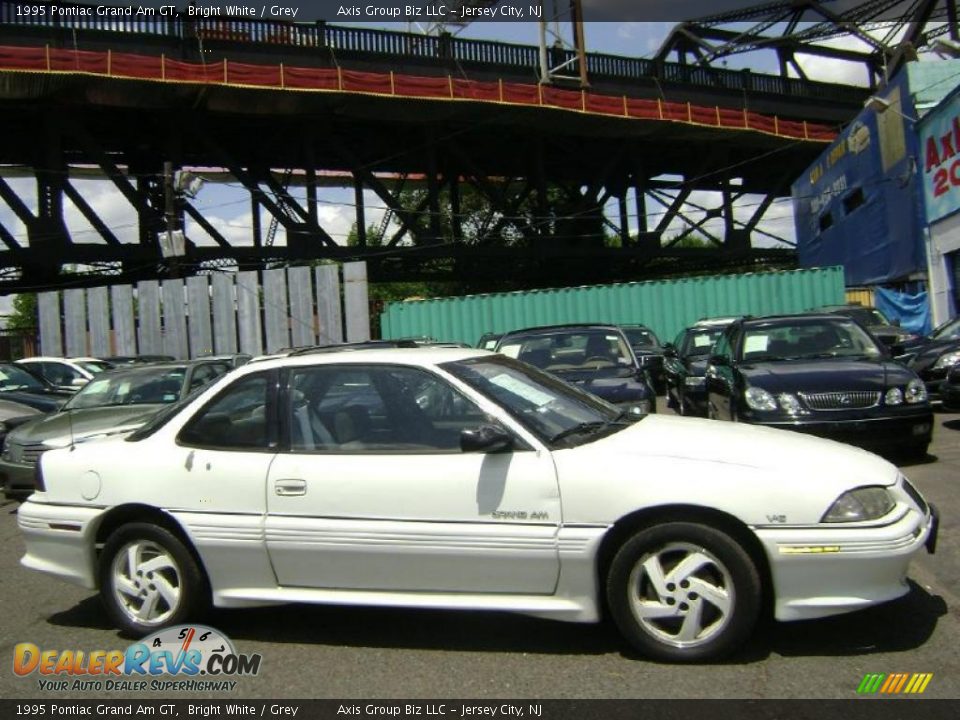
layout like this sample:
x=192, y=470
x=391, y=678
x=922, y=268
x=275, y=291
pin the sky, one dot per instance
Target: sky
x=227, y=206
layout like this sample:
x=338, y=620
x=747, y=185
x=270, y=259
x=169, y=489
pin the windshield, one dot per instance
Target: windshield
x=94, y=366
x=548, y=407
x=866, y=316
x=699, y=341
x=949, y=331
x=128, y=388
x=641, y=337
x=588, y=349
x=14, y=378
x=788, y=340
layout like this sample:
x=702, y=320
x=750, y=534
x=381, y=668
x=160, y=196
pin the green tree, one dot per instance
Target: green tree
x=24, y=316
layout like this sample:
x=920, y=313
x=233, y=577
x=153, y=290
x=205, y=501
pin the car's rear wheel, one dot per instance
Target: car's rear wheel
x=149, y=579
x=683, y=592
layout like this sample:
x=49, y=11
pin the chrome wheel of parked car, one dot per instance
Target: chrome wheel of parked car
x=148, y=579
x=683, y=592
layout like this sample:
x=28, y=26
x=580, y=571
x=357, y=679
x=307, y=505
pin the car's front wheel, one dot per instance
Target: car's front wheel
x=683, y=592
x=149, y=579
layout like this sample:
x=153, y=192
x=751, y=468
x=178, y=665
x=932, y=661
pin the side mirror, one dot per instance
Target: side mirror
x=485, y=439
x=669, y=350
x=719, y=360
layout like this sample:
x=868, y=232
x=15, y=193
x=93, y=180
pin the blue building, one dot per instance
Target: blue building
x=860, y=205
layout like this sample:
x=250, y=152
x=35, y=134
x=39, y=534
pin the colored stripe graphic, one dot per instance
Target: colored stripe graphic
x=894, y=683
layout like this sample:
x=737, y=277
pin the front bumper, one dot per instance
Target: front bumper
x=878, y=433
x=60, y=540
x=17, y=479
x=822, y=571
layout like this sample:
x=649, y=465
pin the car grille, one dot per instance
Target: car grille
x=26, y=454
x=850, y=400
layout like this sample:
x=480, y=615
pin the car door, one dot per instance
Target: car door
x=720, y=377
x=374, y=493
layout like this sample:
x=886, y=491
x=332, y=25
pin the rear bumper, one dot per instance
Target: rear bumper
x=60, y=540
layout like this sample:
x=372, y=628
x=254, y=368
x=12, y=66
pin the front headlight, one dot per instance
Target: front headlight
x=759, y=399
x=947, y=360
x=641, y=407
x=863, y=503
x=789, y=403
x=894, y=396
x=916, y=391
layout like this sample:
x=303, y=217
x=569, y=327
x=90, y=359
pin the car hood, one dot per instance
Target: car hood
x=826, y=375
x=750, y=472
x=696, y=364
x=927, y=354
x=616, y=385
x=58, y=429
x=43, y=401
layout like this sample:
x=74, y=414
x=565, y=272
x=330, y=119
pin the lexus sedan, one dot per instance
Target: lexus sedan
x=933, y=357
x=598, y=358
x=114, y=402
x=821, y=374
x=461, y=479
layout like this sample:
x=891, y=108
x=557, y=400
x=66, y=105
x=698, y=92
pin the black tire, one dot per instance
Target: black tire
x=727, y=576
x=165, y=564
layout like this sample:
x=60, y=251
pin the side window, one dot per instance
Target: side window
x=376, y=409
x=723, y=346
x=201, y=376
x=58, y=374
x=235, y=419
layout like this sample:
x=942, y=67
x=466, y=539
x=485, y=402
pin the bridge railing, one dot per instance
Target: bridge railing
x=445, y=51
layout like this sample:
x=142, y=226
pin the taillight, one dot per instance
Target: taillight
x=38, y=476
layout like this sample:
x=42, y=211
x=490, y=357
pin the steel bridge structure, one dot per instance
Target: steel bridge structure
x=486, y=171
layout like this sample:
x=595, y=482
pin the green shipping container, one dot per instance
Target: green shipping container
x=666, y=306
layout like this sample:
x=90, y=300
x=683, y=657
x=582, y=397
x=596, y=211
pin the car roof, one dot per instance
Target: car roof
x=427, y=356
x=545, y=329
x=807, y=316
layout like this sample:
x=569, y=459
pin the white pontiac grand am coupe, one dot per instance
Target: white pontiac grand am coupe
x=450, y=478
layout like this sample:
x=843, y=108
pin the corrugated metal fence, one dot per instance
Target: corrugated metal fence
x=220, y=314
x=666, y=306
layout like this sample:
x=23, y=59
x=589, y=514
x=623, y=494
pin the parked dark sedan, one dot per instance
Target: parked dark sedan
x=888, y=333
x=934, y=356
x=598, y=358
x=950, y=390
x=822, y=374
x=685, y=365
x=646, y=346
x=19, y=384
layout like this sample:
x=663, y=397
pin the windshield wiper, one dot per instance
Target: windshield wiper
x=624, y=417
x=584, y=427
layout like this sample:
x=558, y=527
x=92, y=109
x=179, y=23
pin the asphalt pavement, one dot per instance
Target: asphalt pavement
x=365, y=653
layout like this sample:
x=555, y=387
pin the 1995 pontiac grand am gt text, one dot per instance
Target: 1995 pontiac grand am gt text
x=450, y=478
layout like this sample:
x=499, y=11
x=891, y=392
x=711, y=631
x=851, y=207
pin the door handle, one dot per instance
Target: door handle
x=290, y=486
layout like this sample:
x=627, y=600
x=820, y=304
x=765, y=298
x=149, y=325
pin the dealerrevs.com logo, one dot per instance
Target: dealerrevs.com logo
x=894, y=683
x=198, y=657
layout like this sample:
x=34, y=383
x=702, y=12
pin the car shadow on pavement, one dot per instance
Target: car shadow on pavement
x=951, y=424
x=898, y=626
x=901, y=625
